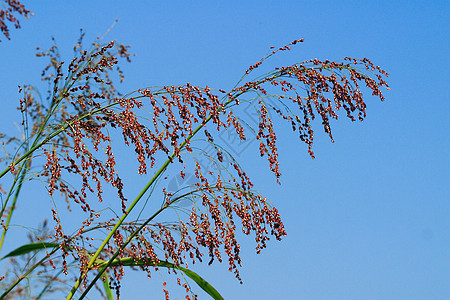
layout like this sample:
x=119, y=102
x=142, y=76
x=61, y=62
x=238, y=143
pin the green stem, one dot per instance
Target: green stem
x=11, y=189
x=24, y=169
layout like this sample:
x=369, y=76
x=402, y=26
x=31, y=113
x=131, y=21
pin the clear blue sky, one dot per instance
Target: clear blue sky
x=369, y=217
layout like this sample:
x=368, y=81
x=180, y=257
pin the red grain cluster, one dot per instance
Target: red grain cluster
x=12, y=7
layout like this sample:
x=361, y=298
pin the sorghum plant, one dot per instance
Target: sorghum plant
x=69, y=145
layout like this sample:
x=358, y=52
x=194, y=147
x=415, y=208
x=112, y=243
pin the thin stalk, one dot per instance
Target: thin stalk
x=24, y=169
x=13, y=185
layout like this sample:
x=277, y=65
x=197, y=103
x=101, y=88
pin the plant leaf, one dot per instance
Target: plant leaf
x=199, y=280
x=130, y=261
x=24, y=249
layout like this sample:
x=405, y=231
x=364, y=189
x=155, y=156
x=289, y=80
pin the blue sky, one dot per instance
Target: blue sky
x=369, y=217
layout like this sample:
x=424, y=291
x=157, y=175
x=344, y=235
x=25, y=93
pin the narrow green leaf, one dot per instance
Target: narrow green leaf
x=105, y=279
x=199, y=280
x=129, y=261
x=30, y=248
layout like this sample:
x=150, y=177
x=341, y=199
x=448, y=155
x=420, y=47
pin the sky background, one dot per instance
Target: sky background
x=369, y=217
